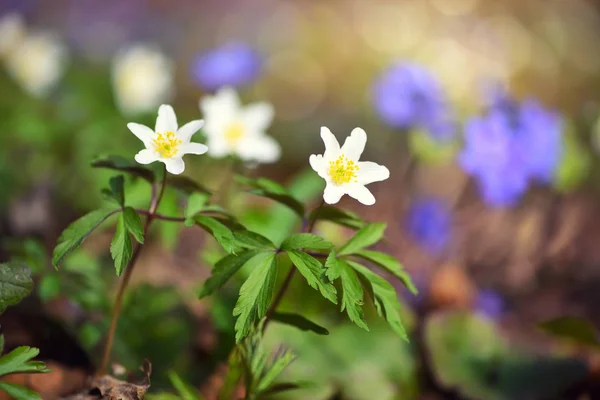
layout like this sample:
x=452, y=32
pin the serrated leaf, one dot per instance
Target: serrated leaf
x=300, y=322
x=19, y=360
x=117, y=189
x=572, y=328
x=195, y=203
x=352, y=291
x=391, y=265
x=384, y=297
x=276, y=368
x=314, y=273
x=122, y=164
x=255, y=293
x=252, y=240
x=338, y=216
x=365, y=237
x=224, y=269
x=307, y=241
x=18, y=392
x=15, y=284
x=133, y=224
x=186, y=185
x=186, y=391
x=121, y=247
x=220, y=232
x=77, y=232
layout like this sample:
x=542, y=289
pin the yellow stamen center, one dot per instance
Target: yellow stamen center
x=343, y=170
x=234, y=133
x=166, y=144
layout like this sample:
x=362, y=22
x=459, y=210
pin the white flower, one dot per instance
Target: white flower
x=234, y=129
x=37, y=63
x=167, y=143
x=12, y=33
x=142, y=79
x=343, y=172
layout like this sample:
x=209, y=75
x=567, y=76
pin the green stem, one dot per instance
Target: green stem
x=151, y=214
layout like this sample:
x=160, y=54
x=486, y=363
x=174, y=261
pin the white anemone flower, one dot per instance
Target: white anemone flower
x=12, y=33
x=343, y=172
x=167, y=143
x=143, y=79
x=37, y=63
x=240, y=130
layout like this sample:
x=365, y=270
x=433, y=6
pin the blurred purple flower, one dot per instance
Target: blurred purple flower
x=408, y=96
x=233, y=64
x=429, y=223
x=511, y=146
x=490, y=304
x=17, y=6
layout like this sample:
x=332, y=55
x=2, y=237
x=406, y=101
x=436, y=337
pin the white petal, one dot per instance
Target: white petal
x=318, y=163
x=166, y=120
x=174, y=165
x=261, y=148
x=333, y=193
x=218, y=147
x=193, y=148
x=142, y=132
x=146, y=156
x=369, y=172
x=219, y=111
x=258, y=116
x=360, y=193
x=186, y=132
x=355, y=144
x=332, y=147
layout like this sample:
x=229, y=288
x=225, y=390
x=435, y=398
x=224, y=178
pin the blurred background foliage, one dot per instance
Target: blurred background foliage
x=499, y=234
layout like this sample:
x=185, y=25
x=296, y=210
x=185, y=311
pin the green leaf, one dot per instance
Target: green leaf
x=122, y=164
x=255, y=293
x=19, y=392
x=117, y=189
x=352, y=291
x=314, y=273
x=572, y=328
x=15, y=284
x=307, y=241
x=186, y=391
x=220, y=232
x=274, y=191
x=365, y=237
x=385, y=298
x=275, y=369
x=224, y=269
x=195, y=204
x=234, y=373
x=185, y=185
x=1, y=344
x=77, y=232
x=262, y=183
x=284, y=387
x=337, y=216
x=133, y=224
x=390, y=264
x=252, y=240
x=19, y=360
x=121, y=248
x=300, y=322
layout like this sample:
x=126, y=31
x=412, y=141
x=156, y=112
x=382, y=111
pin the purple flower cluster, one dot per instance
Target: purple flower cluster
x=407, y=96
x=490, y=304
x=428, y=222
x=511, y=146
x=234, y=64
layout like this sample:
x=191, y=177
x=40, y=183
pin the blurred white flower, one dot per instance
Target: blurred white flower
x=343, y=172
x=37, y=63
x=12, y=32
x=142, y=79
x=167, y=143
x=235, y=129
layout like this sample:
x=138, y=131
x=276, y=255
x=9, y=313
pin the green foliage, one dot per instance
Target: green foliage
x=133, y=224
x=365, y=237
x=390, y=264
x=575, y=164
x=224, y=269
x=15, y=284
x=274, y=191
x=255, y=293
x=314, y=273
x=300, y=322
x=185, y=391
x=429, y=150
x=235, y=371
x=195, y=204
x=121, y=247
x=306, y=241
x=117, y=189
x=352, y=291
x=384, y=296
x=20, y=361
x=78, y=231
x=185, y=185
x=252, y=240
x=126, y=165
x=575, y=329
x=220, y=232
x=338, y=216
x=19, y=392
